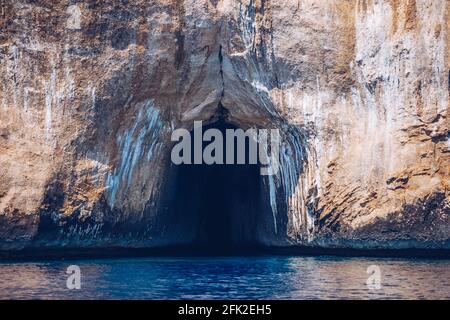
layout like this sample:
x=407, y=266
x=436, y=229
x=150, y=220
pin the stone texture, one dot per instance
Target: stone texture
x=91, y=90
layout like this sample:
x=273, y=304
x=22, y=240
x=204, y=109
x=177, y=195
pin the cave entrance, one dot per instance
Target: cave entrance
x=219, y=207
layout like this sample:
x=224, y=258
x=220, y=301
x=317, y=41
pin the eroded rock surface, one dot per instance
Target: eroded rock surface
x=90, y=92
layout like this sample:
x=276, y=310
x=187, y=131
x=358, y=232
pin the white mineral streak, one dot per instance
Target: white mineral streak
x=93, y=97
x=52, y=100
x=247, y=26
x=74, y=19
x=270, y=179
x=48, y=111
x=300, y=167
x=25, y=99
x=136, y=141
x=14, y=71
x=437, y=93
x=273, y=200
x=4, y=98
x=388, y=65
x=70, y=83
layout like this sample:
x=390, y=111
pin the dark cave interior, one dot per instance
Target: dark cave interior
x=218, y=207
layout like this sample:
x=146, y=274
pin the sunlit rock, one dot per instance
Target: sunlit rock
x=90, y=94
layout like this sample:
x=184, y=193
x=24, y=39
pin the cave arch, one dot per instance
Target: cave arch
x=219, y=207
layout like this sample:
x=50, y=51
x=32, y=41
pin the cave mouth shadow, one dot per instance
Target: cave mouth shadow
x=218, y=208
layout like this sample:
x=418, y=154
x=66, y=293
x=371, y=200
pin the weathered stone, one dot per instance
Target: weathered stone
x=90, y=92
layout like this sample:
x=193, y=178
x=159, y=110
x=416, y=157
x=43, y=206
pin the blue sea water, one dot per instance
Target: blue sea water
x=259, y=277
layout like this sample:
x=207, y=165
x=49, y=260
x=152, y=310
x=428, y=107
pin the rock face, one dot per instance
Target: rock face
x=91, y=91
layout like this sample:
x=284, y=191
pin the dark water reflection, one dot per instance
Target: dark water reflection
x=274, y=277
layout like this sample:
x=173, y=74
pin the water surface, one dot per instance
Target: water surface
x=261, y=277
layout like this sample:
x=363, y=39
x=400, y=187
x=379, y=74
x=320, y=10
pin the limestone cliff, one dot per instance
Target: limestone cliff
x=90, y=92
